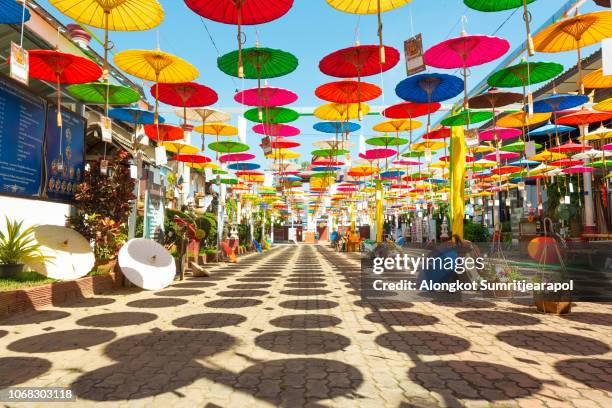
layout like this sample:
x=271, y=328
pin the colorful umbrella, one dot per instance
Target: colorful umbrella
x=99, y=93
x=243, y=166
x=524, y=74
x=499, y=133
x=11, y=12
x=341, y=111
x=377, y=154
x=272, y=115
x=61, y=68
x=184, y=95
x=236, y=157
x=217, y=129
x=134, y=116
x=570, y=147
x=265, y=97
x=228, y=146
x=164, y=133
x=518, y=146
x=604, y=106
x=279, y=130
x=239, y=13
x=157, y=66
x=550, y=130
x=522, y=119
x=441, y=133
x=500, y=155
x=584, y=117
x=494, y=98
x=467, y=117
x=191, y=158
x=348, y=91
x=336, y=127
x=558, y=102
x=597, y=80
x=180, y=147
x=386, y=141
x=258, y=63
x=464, y=52
x=574, y=33
x=281, y=154
x=281, y=143
x=578, y=170
x=410, y=110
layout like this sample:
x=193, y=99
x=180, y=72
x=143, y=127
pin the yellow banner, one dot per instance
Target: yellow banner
x=457, y=189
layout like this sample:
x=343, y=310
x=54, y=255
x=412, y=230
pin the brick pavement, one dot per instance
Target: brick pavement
x=288, y=329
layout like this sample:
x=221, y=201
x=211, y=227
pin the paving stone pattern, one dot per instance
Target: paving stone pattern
x=287, y=328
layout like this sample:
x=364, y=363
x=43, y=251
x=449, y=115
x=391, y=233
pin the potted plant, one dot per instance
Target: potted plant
x=17, y=247
x=546, y=301
x=503, y=273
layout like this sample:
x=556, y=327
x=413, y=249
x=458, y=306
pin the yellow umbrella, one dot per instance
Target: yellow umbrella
x=399, y=125
x=157, y=66
x=369, y=7
x=605, y=106
x=543, y=168
x=599, y=134
x=428, y=144
x=522, y=119
x=439, y=165
x=180, y=148
x=283, y=154
x=202, y=115
x=574, y=33
x=340, y=111
x=202, y=166
x=482, y=149
x=597, y=80
x=216, y=129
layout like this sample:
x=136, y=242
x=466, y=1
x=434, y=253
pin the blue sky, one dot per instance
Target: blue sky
x=312, y=29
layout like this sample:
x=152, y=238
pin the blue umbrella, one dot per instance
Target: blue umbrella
x=436, y=180
x=325, y=168
x=133, y=115
x=550, y=130
x=11, y=12
x=558, y=102
x=392, y=173
x=336, y=127
x=427, y=88
x=524, y=162
x=243, y=166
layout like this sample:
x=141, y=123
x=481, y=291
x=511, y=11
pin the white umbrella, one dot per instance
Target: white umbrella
x=147, y=264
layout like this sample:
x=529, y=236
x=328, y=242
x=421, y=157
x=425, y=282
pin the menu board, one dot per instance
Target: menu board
x=64, y=154
x=22, y=131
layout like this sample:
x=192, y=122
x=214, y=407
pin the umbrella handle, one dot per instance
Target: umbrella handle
x=239, y=24
x=380, y=34
x=527, y=18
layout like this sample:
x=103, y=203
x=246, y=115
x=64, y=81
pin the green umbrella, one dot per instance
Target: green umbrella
x=329, y=152
x=229, y=181
x=219, y=171
x=414, y=154
x=495, y=5
x=517, y=147
x=273, y=115
x=601, y=163
x=386, y=141
x=259, y=63
x=95, y=93
x=228, y=146
x=524, y=73
x=321, y=175
x=520, y=174
x=467, y=117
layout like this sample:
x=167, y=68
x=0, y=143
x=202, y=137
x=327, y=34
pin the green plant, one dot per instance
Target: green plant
x=18, y=245
x=103, y=203
x=475, y=232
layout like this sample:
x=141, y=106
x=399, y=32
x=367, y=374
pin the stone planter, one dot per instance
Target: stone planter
x=554, y=307
x=11, y=271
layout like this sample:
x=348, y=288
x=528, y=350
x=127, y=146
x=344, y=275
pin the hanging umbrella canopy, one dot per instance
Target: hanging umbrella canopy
x=134, y=116
x=336, y=127
x=243, y=166
x=95, y=93
x=217, y=129
x=202, y=115
x=522, y=119
x=191, y=158
x=272, y=115
x=404, y=162
x=266, y=97
x=61, y=68
x=467, y=117
x=468, y=159
x=524, y=74
x=284, y=154
x=495, y=5
x=482, y=149
x=578, y=169
x=499, y=155
x=506, y=170
x=377, y=154
x=601, y=163
x=348, y=91
x=279, y=130
x=184, y=94
x=466, y=51
x=228, y=146
x=483, y=164
x=428, y=145
x=410, y=110
x=592, y=154
x=604, y=106
x=180, y=147
x=340, y=111
x=397, y=125
x=518, y=147
x=11, y=12
x=570, y=147
x=575, y=32
x=164, y=133
x=281, y=143
x=550, y=130
x=499, y=133
x=358, y=61
x=114, y=15
x=258, y=63
x=494, y=98
x=584, y=117
x=597, y=80
x=566, y=162
x=524, y=162
x=441, y=133
x=329, y=152
x=547, y=156
x=558, y=102
x=386, y=141
x=427, y=88
x=236, y=157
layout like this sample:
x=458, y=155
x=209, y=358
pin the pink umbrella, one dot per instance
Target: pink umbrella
x=405, y=162
x=236, y=157
x=499, y=133
x=570, y=147
x=578, y=169
x=276, y=130
x=502, y=156
x=266, y=97
x=566, y=163
x=466, y=51
x=377, y=154
x=607, y=147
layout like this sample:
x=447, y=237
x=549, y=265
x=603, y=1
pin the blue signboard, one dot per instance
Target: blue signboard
x=22, y=131
x=64, y=154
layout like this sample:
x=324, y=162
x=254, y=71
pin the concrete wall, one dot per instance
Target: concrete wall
x=33, y=211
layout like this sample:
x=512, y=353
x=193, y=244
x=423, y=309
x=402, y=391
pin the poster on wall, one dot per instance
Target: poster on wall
x=64, y=154
x=22, y=131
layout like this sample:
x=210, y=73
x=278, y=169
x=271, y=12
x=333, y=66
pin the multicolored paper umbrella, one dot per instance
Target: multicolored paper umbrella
x=370, y=7
x=336, y=127
x=348, y=91
x=11, y=12
x=440, y=133
x=498, y=134
x=467, y=117
x=134, y=116
x=597, y=80
x=574, y=33
x=164, y=133
x=243, y=166
x=228, y=146
x=236, y=157
x=239, y=13
x=279, y=130
x=272, y=115
x=184, y=95
x=61, y=68
x=191, y=158
x=377, y=154
x=464, y=52
x=180, y=147
x=258, y=63
x=584, y=117
x=410, y=110
x=341, y=111
x=157, y=66
x=99, y=93
x=522, y=119
x=518, y=147
x=282, y=143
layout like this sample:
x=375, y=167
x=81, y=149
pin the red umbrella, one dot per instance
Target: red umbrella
x=281, y=143
x=61, y=68
x=348, y=91
x=240, y=12
x=465, y=51
x=442, y=133
x=191, y=158
x=570, y=147
x=277, y=130
x=410, y=110
x=506, y=170
x=566, y=163
x=163, y=133
x=185, y=95
x=583, y=117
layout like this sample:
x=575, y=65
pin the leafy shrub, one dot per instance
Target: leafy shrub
x=475, y=232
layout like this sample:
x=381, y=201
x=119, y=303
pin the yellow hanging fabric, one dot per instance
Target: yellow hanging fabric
x=457, y=190
x=380, y=214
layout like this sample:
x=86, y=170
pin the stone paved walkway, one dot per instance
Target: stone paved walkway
x=288, y=329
